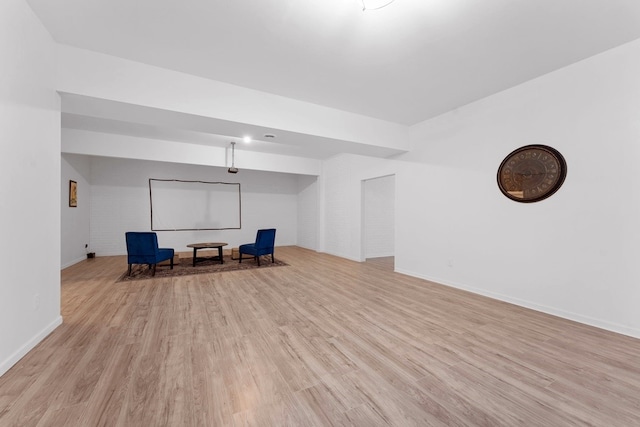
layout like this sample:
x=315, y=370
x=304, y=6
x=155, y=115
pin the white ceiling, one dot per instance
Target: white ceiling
x=405, y=63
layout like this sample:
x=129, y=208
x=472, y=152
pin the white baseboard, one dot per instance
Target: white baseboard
x=6, y=364
x=576, y=317
x=380, y=255
x=70, y=263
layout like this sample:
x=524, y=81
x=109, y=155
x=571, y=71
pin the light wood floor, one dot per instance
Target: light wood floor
x=324, y=341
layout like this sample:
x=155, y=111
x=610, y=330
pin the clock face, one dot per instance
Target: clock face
x=531, y=173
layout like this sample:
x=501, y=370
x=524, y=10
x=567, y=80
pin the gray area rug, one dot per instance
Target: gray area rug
x=185, y=268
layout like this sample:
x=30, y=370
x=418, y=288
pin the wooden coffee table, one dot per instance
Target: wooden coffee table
x=197, y=246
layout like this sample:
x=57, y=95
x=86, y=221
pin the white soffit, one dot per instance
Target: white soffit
x=111, y=117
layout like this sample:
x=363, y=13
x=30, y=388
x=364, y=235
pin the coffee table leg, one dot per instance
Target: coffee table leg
x=195, y=251
x=220, y=254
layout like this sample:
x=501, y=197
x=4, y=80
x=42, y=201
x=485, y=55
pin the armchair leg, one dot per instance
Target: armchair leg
x=272, y=258
x=153, y=270
x=172, y=263
x=129, y=270
x=240, y=257
x=258, y=258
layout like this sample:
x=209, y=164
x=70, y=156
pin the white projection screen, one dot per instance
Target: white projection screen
x=194, y=205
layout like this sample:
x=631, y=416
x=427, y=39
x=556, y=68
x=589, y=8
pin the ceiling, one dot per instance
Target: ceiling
x=405, y=63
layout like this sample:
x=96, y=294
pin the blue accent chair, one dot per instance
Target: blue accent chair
x=142, y=248
x=265, y=240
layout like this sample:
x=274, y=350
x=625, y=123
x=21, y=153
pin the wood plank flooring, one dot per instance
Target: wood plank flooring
x=324, y=341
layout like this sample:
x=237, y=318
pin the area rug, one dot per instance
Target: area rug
x=186, y=268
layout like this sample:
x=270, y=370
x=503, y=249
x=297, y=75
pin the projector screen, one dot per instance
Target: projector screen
x=194, y=205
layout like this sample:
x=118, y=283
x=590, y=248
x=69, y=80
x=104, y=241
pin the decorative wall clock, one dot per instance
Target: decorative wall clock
x=532, y=173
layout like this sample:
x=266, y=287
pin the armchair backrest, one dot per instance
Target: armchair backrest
x=141, y=243
x=265, y=238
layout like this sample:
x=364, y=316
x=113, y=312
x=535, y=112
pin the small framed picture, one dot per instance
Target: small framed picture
x=73, y=194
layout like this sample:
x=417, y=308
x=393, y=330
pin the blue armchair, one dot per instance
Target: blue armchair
x=142, y=248
x=264, y=244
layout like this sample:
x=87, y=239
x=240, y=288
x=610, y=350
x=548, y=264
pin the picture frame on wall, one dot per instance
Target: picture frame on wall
x=73, y=194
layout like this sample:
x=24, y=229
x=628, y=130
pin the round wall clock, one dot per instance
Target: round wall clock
x=531, y=173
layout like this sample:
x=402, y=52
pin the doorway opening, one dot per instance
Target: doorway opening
x=378, y=221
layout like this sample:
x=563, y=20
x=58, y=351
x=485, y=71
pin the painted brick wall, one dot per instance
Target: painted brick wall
x=120, y=203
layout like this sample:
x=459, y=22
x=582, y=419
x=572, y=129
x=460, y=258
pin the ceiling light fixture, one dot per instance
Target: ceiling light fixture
x=246, y=139
x=233, y=168
x=375, y=4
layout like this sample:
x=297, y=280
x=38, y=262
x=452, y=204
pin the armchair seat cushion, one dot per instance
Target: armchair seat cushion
x=165, y=254
x=249, y=248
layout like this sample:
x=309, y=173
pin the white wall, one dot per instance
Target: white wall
x=341, y=202
x=30, y=176
x=307, y=233
x=75, y=222
x=573, y=254
x=120, y=203
x=379, y=216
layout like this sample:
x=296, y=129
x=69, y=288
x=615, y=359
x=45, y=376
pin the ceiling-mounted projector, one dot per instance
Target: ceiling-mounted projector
x=233, y=169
